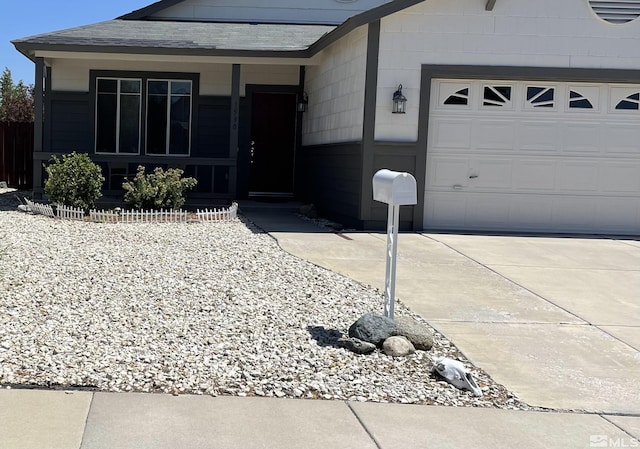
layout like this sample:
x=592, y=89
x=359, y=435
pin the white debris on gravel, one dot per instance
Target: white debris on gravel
x=207, y=308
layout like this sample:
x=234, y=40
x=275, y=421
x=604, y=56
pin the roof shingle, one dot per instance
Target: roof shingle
x=185, y=35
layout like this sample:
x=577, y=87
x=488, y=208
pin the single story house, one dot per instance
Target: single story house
x=520, y=115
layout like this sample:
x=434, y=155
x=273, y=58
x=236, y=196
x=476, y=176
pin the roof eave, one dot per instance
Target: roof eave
x=29, y=49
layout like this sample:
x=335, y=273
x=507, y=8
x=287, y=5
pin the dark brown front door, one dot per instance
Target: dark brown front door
x=272, y=145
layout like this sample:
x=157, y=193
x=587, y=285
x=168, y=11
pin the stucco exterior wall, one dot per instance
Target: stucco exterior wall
x=544, y=33
x=336, y=92
x=72, y=75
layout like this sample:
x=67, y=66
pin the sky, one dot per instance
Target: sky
x=23, y=18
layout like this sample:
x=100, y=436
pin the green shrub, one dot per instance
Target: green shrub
x=74, y=181
x=158, y=190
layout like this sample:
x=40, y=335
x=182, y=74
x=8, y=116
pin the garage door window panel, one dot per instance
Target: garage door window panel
x=631, y=103
x=540, y=97
x=579, y=101
x=455, y=95
x=625, y=99
x=497, y=96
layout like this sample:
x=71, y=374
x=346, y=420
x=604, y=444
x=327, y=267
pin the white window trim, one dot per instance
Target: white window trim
x=95, y=124
x=168, y=130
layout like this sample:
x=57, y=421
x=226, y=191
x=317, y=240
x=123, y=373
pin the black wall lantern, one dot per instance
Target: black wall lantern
x=303, y=102
x=399, y=101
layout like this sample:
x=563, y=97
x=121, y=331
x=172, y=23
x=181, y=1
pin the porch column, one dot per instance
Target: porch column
x=234, y=127
x=38, y=123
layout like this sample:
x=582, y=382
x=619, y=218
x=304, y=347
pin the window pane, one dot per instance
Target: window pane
x=130, y=86
x=158, y=87
x=627, y=105
x=181, y=87
x=106, y=112
x=180, y=116
x=541, y=97
x=461, y=97
x=496, y=95
x=581, y=103
x=107, y=86
x=129, y=123
x=157, y=124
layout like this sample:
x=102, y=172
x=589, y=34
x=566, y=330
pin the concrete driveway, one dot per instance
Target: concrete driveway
x=556, y=320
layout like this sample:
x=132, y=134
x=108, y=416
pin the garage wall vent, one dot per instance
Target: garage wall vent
x=616, y=11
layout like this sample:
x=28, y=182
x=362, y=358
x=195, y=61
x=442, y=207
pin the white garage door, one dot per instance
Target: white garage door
x=533, y=156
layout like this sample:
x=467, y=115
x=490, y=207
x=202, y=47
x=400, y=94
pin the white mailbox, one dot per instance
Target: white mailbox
x=394, y=188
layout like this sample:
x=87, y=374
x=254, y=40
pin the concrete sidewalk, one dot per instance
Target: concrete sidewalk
x=31, y=419
x=554, y=320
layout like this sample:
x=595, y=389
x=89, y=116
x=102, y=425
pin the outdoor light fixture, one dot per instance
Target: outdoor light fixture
x=399, y=101
x=303, y=102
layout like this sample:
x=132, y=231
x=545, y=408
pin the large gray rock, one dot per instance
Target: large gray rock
x=419, y=334
x=373, y=328
x=356, y=345
x=398, y=346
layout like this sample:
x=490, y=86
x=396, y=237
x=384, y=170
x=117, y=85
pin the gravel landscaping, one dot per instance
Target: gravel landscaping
x=198, y=308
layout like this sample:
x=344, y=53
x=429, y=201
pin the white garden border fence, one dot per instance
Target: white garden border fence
x=218, y=214
x=69, y=213
x=134, y=216
x=41, y=209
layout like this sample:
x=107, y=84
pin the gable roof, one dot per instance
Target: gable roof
x=202, y=38
x=146, y=11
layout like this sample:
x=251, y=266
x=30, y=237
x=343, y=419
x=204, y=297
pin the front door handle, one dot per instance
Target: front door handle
x=473, y=176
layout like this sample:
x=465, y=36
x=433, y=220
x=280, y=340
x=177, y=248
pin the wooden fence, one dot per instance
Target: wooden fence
x=16, y=154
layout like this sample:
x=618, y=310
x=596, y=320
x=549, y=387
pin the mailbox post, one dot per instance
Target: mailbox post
x=396, y=189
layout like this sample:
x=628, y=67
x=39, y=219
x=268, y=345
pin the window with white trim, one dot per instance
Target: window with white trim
x=168, y=121
x=118, y=115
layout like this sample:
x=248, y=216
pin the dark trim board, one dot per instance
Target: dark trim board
x=369, y=122
x=529, y=73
